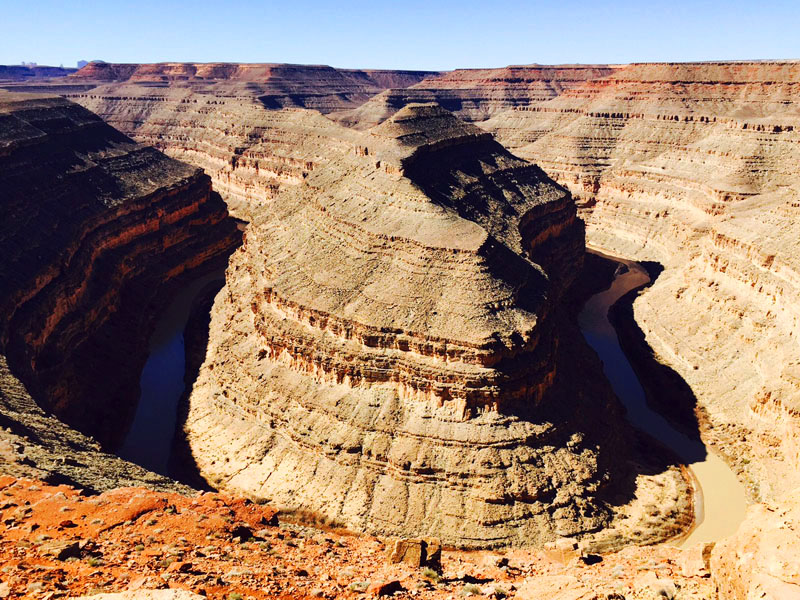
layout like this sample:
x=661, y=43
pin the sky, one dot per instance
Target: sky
x=405, y=34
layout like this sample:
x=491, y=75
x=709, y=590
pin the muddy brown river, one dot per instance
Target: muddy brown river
x=720, y=500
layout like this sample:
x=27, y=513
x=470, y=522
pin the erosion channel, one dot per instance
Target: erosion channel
x=149, y=440
x=720, y=501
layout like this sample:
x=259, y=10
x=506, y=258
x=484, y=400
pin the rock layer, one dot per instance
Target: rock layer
x=250, y=152
x=319, y=87
x=96, y=229
x=213, y=115
x=389, y=349
x=477, y=94
x=694, y=166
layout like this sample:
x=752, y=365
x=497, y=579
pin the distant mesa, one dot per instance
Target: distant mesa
x=31, y=71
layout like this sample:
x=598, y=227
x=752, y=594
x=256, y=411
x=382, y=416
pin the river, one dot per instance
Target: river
x=149, y=440
x=720, y=500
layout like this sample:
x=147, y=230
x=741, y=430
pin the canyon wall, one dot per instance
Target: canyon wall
x=476, y=94
x=390, y=349
x=318, y=87
x=97, y=230
x=250, y=152
x=695, y=166
x=224, y=118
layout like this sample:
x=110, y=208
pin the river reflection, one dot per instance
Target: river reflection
x=149, y=440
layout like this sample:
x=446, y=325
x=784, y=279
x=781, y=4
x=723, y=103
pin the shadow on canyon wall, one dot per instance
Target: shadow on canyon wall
x=645, y=386
x=666, y=391
x=182, y=466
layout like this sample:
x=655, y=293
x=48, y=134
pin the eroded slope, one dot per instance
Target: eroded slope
x=476, y=94
x=387, y=353
x=96, y=229
x=695, y=166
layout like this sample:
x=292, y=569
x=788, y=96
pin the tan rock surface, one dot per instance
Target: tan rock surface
x=476, y=94
x=276, y=85
x=250, y=152
x=555, y=587
x=694, y=166
x=761, y=559
x=218, y=116
x=384, y=352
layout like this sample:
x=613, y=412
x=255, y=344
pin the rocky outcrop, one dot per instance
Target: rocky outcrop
x=760, y=560
x=97, y=229
x=477, y=94
x=694, y=166
x=222, y=117
x=152, y=544
x=250, y=152
x=385, y=351
x=36, y=445
x=319, y=87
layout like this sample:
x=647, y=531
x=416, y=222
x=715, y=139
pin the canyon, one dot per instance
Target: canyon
x=97, y=231
x=395, y=347
x=387, y=339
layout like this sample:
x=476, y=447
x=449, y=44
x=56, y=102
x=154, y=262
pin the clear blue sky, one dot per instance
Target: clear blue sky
x=410, y=34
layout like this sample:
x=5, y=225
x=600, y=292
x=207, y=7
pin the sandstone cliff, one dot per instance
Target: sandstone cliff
x=250, y=152
x=385, y=349
x=694, y=166
x=319, y=87
x=96, y=229
x=220, y=117
x=213, y=116
x=477, y=94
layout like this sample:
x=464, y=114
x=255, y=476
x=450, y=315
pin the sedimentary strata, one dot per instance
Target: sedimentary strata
x=388, y=350
x=223, y=118
x=694, y=166
x=476, y=94
x=250, y=152
x=319, y=87
x=96, y=229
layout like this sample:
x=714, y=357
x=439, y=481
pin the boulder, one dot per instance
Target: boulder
x=416, y=552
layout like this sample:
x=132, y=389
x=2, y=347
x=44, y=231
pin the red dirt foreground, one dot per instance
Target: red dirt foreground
x=56, y=542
